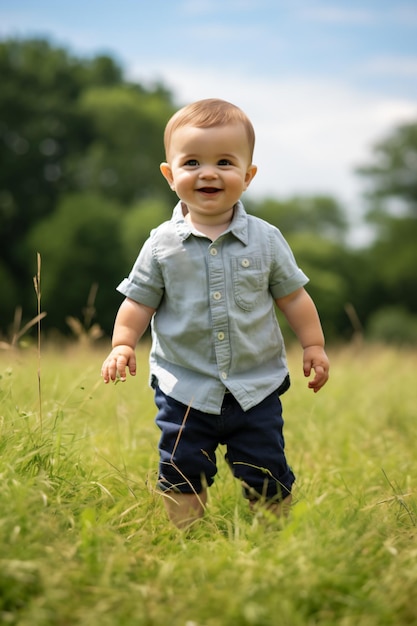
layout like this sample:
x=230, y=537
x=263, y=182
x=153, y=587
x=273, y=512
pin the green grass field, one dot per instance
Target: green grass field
x=83, y=534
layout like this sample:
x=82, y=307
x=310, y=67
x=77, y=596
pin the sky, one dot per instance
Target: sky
x=321, y=80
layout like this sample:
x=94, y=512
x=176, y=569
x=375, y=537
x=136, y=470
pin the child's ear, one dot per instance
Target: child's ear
x=251, y=171
x=166, y=172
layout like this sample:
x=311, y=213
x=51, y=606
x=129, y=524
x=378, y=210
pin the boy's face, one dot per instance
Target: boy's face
x=209, y=168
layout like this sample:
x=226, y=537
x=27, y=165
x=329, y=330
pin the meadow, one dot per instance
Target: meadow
x=83, y=535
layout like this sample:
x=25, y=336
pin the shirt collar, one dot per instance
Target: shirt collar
x=238, y=226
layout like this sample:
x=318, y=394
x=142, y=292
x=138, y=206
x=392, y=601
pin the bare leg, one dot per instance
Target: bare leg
x=281, y=509
x=185, y=508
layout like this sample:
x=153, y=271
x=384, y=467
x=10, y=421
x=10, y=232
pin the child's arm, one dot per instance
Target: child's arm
x=131, y=322
x=301, y=313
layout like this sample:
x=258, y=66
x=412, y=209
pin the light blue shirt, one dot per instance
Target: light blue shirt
x=215, y=324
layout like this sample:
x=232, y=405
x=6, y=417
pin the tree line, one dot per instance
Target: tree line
x=80, y=148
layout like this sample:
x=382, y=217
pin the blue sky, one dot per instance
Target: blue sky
x=321, y=80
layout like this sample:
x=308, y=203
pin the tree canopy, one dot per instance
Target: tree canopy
x=69, y=126
x=393, y=171
x=392, y=210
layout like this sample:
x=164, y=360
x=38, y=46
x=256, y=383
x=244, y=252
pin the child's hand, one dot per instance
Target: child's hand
x=316, y=359
x=114, y=367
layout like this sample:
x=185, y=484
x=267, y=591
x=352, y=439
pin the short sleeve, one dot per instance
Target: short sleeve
x=286, y=277
x=145, y=282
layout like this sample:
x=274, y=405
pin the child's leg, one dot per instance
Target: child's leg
x=256, y=455
x=184, y=508
x=187, y=465
x=280, y=509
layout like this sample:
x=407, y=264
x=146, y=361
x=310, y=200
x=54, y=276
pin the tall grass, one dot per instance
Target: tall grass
x=83, y=535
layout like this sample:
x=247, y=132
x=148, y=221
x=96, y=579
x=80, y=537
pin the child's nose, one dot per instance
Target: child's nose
x=208, y=171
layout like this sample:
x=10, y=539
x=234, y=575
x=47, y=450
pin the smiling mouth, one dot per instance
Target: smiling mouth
x=209, y=190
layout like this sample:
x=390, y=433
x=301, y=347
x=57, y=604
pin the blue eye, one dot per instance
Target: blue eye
x=191, y=162
x=224, y=162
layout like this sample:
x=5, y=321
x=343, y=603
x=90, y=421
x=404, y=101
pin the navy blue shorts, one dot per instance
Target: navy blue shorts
x=254, y=446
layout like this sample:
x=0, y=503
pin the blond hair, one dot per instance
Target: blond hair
x=206, y=114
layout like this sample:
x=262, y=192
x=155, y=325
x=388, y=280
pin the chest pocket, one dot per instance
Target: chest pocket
x=248, y=281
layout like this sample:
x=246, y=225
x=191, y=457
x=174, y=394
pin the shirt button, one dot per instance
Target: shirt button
x=245, y=263
x=220, y=336
x=217, y=295
x=213, y=251
x=224, y=375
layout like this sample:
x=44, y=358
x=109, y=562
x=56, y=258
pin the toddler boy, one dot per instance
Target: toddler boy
x=207, y=281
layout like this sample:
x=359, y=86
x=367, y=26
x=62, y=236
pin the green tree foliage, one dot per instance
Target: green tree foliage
x=78, y=249
x=320, y=216
x=68, y=125
x=322, y=261
x=393, y=324
x=138, y=223
x=123, y=159
x=42, y=127
x=315, y=227
x=391, y=260
x=393, y=171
